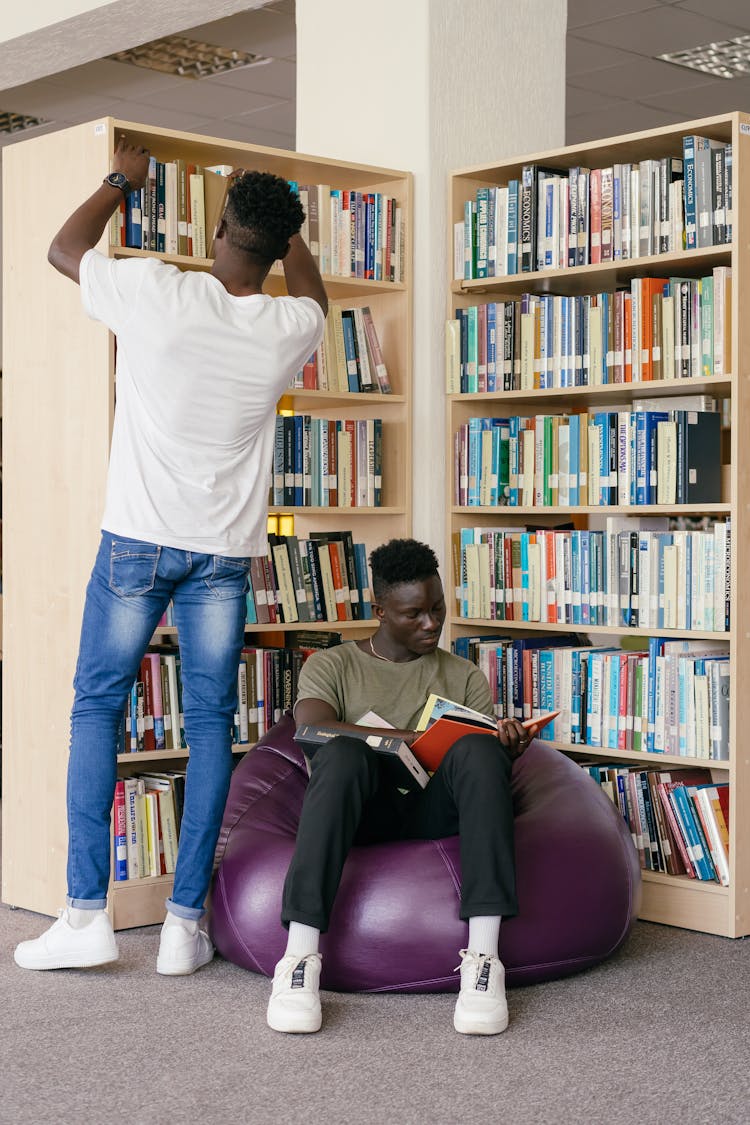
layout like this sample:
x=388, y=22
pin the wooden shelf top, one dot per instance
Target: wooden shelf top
x=597, y=510
x=636, y=757
x=718, y=385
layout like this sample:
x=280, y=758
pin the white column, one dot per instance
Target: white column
x=429, y=86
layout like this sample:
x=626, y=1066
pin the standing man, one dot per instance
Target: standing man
x=202, y=359
x=350, y=799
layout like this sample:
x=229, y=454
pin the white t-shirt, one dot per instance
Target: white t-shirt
x=199, y=373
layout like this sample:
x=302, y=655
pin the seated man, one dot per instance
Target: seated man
x=349, y=800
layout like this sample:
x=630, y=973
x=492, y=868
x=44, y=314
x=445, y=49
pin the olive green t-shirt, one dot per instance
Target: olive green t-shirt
x=353, y=682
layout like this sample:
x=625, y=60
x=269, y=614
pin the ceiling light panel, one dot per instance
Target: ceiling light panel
x=187, y=58
x=729, y=58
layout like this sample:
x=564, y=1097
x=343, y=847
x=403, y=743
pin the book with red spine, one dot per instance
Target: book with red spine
x=120, y=849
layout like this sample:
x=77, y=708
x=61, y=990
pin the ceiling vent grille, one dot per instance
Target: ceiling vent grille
x=18, y=122
x=729, y=58
x=187, y=58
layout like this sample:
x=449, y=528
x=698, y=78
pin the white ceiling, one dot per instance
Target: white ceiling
x=614, y=83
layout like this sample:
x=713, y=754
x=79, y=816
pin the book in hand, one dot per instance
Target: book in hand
x=401, y=765
x=443, y=722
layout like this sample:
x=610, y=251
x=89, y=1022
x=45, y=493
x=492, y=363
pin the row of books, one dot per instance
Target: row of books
x=321, y=578
x=354, y=233
x=669, y=698
x=327, y=462
x=657, y=328
x=626, y=576
x=177, y=210
x=349, y=358
x=554, y=218
x=679, y=819
x=627, y=457
x=266, y=681
x=147, y=816
x=350, y=233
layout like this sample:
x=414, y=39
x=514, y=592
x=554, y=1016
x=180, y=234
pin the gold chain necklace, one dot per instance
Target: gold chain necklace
x=378, y=656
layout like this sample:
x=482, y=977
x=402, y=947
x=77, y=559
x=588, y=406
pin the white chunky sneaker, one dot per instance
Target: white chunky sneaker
x=181, y=951
x=295, y=997
x=64, y=947
x=481, y=1008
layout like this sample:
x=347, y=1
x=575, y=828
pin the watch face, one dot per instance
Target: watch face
x=119, y=180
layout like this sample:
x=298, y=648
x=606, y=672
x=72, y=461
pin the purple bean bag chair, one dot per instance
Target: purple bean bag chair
x=395, y=924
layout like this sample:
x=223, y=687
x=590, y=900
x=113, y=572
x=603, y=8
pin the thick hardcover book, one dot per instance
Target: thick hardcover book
x=398, y=760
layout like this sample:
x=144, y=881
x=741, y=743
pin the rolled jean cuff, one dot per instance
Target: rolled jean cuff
x=87, y=903
x=193, y=913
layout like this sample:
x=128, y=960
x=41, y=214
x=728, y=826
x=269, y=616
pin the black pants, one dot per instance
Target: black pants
x=349, y=800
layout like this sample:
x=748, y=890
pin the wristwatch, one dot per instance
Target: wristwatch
x=119, y=180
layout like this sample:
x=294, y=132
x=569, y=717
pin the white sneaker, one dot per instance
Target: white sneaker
x=481, y=1008
x=63, y=947
x=182, y=952
x=295, y=997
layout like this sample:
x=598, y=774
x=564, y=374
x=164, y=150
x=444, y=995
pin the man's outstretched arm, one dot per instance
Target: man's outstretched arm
x=302, y=275
x=84, y=228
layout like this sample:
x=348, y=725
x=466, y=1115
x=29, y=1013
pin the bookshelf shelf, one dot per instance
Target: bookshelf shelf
x=358, y=398
x=595, y=630
x=57, y=427
x=576, y=280
x=354, y=627
x=509, y=512
x=336, y=286
x=576, y=748
x=680, y=901
x=578, y=397
x=169, y=755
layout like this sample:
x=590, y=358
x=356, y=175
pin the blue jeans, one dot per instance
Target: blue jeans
x=129, y=590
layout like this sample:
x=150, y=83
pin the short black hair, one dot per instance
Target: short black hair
x=400, y=561
x=262, y=214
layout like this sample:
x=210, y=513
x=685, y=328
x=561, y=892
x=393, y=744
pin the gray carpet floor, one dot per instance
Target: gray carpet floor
x=658, y=1034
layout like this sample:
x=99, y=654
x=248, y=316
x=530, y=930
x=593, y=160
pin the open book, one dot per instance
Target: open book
x=443, y=722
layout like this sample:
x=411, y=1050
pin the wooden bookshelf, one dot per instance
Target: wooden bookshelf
x=679, y=901
x=59, y=408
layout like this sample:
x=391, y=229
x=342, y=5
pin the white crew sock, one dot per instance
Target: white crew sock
x=188, y=924
x=302, y=941
x=484, y=934
x=79, y=918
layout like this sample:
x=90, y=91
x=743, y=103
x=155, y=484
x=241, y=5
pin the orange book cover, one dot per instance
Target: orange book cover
x=649, y=287
x=434, y=743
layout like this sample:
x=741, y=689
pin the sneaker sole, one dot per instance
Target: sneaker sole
x=299, y=1027
x=81, y=962
x=181, y=969
x=472, y=1026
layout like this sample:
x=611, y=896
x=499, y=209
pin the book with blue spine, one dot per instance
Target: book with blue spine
x=513, y=193
x=586, y=578
x=350, y=348
x=688, y=159
x=547, y=690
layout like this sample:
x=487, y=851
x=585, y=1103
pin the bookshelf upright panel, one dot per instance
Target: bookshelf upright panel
x=59, y=408
x=676, y=900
